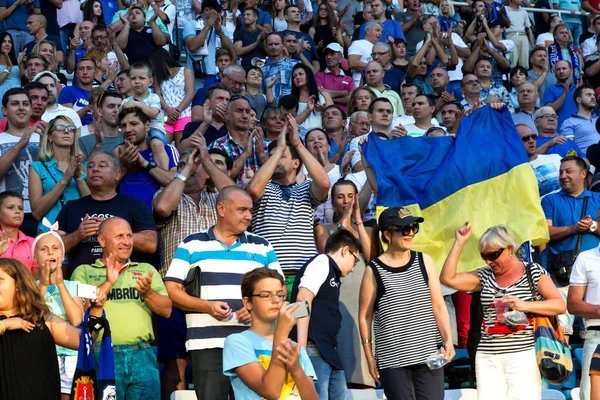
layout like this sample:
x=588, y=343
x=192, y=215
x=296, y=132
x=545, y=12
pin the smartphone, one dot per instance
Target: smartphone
x=302, y=310
x=86, y=291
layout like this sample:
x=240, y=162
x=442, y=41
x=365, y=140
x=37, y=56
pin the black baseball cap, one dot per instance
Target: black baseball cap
x=214, y=4
x=396, y=216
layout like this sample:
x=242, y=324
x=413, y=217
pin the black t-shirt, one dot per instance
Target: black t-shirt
x=49, y=11
x=210, y=135
x=54, y=39
x=247, y=38
x=140, y=45
x=132, y=209
x=592, y=80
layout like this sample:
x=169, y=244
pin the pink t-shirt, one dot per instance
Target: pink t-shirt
x=21, y=250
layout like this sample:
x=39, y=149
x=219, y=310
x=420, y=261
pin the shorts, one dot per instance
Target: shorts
x=172, y=335
x=178, y=125
x=155, y=133
x=66, y=367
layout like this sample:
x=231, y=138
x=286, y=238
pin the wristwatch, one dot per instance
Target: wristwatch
x=151, y=164
x=181, y=177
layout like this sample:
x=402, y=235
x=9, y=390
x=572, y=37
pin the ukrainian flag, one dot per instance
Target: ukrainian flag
x=483, y=177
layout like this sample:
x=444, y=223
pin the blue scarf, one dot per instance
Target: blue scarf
x=555, y=55
x=88, y=382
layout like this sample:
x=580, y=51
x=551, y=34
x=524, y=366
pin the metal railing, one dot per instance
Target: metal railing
x=535, y=10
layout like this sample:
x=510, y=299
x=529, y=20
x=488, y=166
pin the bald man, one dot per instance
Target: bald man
x=36, y=26
x=224, y=253
x=374, y=75
x=134, y=292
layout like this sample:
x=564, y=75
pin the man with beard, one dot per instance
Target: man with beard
x=548, y=140
x=560, y=95
x=142, y=178
x=186, y=206
x=333, y=80
x=451, y=116
x=527, y=96
x=277, y=197
x=76, y=96
x=107, y=136
x=53, y=109
x=581, y=127
x=247, y=154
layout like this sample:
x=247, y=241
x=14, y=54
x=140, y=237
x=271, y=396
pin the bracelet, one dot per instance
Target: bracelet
x=167, y=109
x=366, y=341
x=359, y=223
x=3, y=328
x=181, y=177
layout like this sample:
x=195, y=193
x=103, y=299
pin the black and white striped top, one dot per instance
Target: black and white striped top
x=284, y=215
x=490, y=292
x=405, y=329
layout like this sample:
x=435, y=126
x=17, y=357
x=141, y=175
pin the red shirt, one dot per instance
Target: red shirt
x=327, y=80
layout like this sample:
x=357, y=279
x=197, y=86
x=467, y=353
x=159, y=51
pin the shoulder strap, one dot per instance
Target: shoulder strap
x=580, y=235
x=422, y=267
x=532, y=287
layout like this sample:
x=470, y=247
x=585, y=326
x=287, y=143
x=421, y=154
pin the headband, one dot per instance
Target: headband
x=53, y=231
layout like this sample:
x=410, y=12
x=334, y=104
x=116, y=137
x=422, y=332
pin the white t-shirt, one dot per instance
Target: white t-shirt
x=457, y=74
x=17, y=177
x=409, y=119
x=415, y=131
x=354, y=146
x=61, y=110
x=315, y=274
x=544, y=39
x=586, y=273
x=588, y=47
x=363, y=48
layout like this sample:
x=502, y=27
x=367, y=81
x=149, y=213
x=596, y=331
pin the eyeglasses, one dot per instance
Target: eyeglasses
x=406, y=230
x=548, y=116
x=65, y=128
x=233, y=81
x=383, y=53
x=472, y=82
x=356, y=258
x=492, y=255
x=529, y=137
x=279, y=296
x=100, y=37
x=361, y=123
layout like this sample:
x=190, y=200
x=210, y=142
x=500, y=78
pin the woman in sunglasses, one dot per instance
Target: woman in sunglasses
x=59, y=174
x=506, y=361
x=401, y=294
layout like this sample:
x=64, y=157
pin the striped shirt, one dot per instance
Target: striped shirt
x=284, y=216
x=490, y=292
x=405, y=329
x=188, y=218
x=222, y=270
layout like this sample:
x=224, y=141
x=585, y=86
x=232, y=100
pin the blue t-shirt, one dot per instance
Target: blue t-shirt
x=391, y=28
x=109, y=7
x=311, y=55
x=18, y=19
x=54, y=301
x=568, y=108
x=137, y=182
x=248, y=347
x=560, y=149
x=564, y=210
x=79, y=98
x=200, y=96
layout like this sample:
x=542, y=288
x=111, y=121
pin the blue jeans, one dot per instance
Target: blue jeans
x=575, y=29
x=136, y=372
x=592, y=339
x=20, y=39
x=331, y=383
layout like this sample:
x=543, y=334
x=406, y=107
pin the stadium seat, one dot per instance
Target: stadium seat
x=357, y=394
x=575, y=394
x=183, y=395
x=460, y=394
x=552, y=394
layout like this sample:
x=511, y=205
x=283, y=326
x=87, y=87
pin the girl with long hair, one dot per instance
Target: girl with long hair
x=93, y=11
x=28, y=334
x=229, y=17
x=11, y=74
x=311, y=101
x=58, y=175
x=447, y=18
x=13, y=242
x=174, y=85
x=360, y=100
x=326, y=29
x=278, y=21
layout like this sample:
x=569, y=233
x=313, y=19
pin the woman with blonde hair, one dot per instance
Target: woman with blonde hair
x=105, y=72
x=360, y=100
x=28, y=334
x=447, y=18
x=505, y=363
x=59, y=173
x=47, y=49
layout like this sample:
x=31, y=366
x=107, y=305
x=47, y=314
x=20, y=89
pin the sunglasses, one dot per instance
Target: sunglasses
x=406, y=230
x=492, y=255
x=65, y=128
x=529, y=137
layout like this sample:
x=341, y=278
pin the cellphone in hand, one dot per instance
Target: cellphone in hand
x=86, y=291
x=302, y=310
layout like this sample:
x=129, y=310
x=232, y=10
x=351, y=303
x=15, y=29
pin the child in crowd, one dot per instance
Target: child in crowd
x=262, y=362
x=14, y=243
x=60, y=295
x=141, y=76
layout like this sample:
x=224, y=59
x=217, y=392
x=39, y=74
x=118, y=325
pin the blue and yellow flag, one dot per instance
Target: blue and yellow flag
x=483, y=177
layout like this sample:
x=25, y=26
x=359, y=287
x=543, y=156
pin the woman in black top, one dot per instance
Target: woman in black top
x=326, y=30
x=28, y=332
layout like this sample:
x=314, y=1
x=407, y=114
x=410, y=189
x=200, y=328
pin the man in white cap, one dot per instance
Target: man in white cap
x=54, y=109
x=333, y=80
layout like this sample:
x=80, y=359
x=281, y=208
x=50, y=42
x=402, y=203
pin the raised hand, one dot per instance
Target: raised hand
x=4, y=241
x=294, y=135
x=463, y=233
x=143, y=285
x=112, y=269
x=288, y=353
x=346, y=160
x=272, y=82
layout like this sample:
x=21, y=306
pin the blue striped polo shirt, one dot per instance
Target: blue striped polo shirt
x=222, y=270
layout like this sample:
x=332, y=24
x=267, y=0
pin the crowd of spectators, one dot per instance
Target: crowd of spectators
x=148, y=144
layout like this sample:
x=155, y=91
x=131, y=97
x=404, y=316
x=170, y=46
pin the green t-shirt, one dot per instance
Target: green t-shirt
x=129, y=317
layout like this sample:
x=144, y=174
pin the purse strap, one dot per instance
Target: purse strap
x=62, y=199
x=580, y=235
x=532, y=287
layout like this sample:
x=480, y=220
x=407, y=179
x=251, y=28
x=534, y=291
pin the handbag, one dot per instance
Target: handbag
x=193, y=282
x=562, y=263
x=552, y=352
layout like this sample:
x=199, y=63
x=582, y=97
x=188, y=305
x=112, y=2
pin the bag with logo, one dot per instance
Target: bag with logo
x=552, y=352
x=89, y=383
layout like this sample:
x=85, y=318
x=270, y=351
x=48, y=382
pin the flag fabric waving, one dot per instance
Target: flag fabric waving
x=483, y=176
